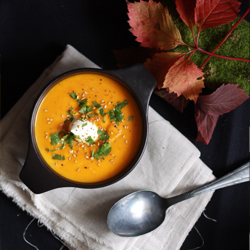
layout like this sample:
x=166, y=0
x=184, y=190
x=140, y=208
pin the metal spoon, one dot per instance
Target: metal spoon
x=143, y=211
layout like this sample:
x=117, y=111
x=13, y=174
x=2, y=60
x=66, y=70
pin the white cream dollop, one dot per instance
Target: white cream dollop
x=83, y=129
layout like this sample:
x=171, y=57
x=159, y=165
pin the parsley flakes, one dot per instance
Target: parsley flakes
x=105, y=149
x=73, y=95
x=116, y=114
x=99, y=107
x=54, y=139
x=58, y=157
x=103, y=135
x=90, y=140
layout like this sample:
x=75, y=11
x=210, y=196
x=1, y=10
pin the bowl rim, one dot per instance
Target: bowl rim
x=136, y=159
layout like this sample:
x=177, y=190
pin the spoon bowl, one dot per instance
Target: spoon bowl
x=143, y=211
x=136, y=214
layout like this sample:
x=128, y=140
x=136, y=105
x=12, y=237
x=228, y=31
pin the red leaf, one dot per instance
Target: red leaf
x=214, y=13
x=205, y=124
x=223, y=100
x=183, y=79
x=153, y=26
x=186, y=11
x=160, y=64
x=180, y=103
x=209, y=107
x=129, y=56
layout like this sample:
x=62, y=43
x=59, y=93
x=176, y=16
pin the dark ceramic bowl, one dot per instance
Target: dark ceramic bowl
x=39, y=177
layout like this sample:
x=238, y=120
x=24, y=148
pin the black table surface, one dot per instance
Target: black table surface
x=34, y=33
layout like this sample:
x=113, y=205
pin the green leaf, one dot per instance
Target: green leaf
x=102, y=112
x=65, y=137
x=93, y=152
x=105, y=149
x=71, y=114
x=119, y=106
x=82, y=110
x=78, y=137
x=53, y=150
x=99, y=107
x=84, y=124
x=116, y=114
x=58, y=157
x=54, y=139
x=73, y=95
x=82, y=103
x=130, y=118
x=70, y=140
x=96, y=104
x=103, y=135
x=90, y=140
x=89, y=109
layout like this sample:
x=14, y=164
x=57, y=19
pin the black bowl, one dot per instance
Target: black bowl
x=39, y=177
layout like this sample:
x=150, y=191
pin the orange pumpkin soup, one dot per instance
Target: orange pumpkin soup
x=88, y=128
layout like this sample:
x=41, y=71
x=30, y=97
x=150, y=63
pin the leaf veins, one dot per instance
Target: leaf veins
x=185, y=78
x=209, y=107
x=160, y=64
x=153, y=26
x=214, y=13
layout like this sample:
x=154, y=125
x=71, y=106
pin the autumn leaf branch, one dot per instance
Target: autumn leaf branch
x=227, y=35
x=196, y=41
x=179, y=79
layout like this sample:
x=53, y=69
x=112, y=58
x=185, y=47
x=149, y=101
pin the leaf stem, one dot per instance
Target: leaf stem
x=198, y=35
x=224, y=57
x=227, y=35
x=192, y=52
x=195, y=43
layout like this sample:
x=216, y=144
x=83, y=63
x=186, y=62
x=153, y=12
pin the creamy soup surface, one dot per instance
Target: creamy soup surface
x=88, y=128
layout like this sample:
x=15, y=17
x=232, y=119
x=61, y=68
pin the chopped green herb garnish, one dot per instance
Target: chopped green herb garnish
x=65, y=137
x=103, y=135
x=84, y=108
x=70, y=140
x=121, y=105
x=101, y=112
x=73, y=95
x=99, y=107
x=93, y=152
x=58, y=157
x=70, y=113
x=116, y=114
x=79, y=138
x=130, y=118
x=96, y=104
x=84, y=124
x=53, y=150
x=96, y=114
x=105, y=149
x=89, y=108
x=54, y=139
x=82, y=103
x=90, y=140
x=89, y=115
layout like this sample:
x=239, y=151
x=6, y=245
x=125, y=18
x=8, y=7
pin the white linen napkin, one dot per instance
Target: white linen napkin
x=169, y=166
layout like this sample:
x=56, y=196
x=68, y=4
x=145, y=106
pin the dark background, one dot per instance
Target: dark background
x=34, y=33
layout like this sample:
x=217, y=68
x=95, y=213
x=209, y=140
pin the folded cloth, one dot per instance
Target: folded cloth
x=169, y=166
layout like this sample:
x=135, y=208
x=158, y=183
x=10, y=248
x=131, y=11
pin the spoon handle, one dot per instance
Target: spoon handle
x=237, y=176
